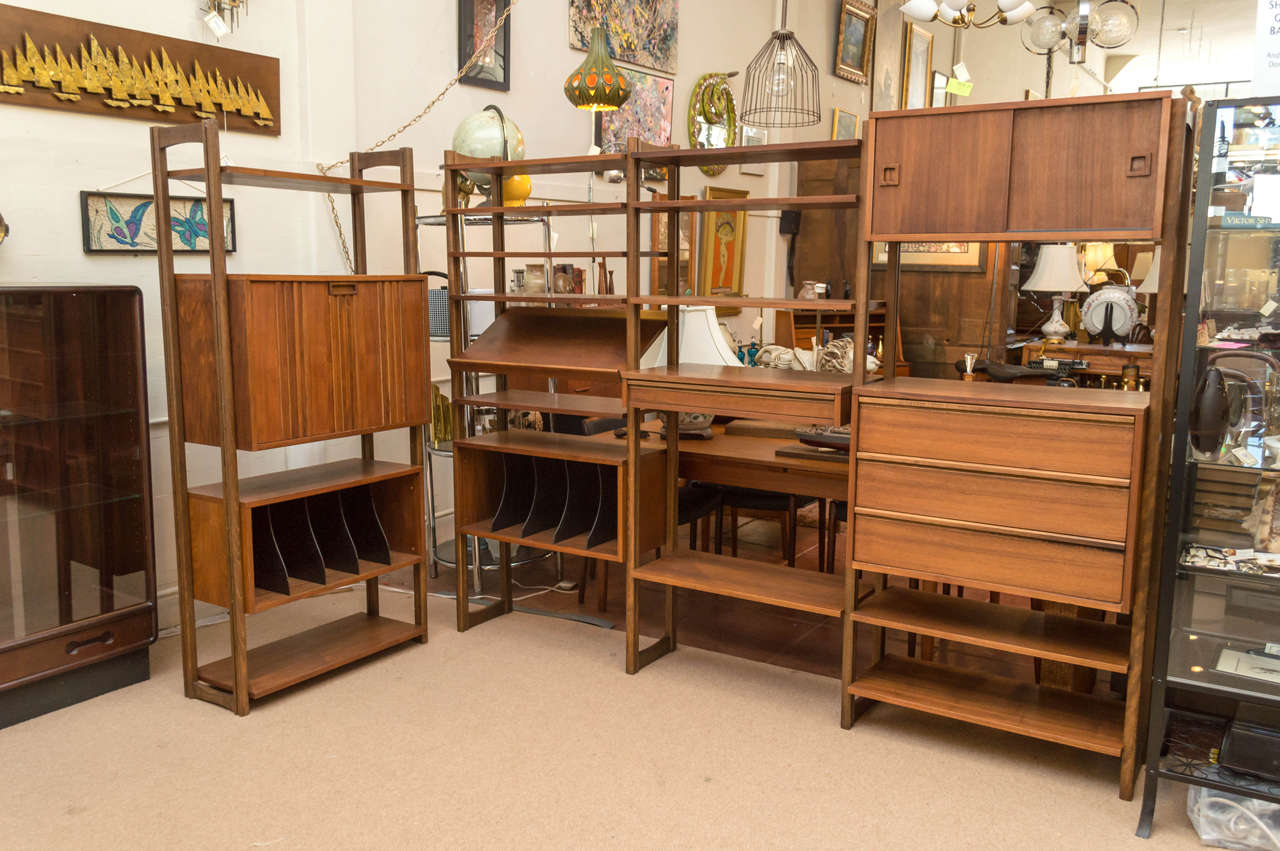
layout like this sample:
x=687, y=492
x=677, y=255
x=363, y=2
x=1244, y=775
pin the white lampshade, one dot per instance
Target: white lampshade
x=1057, y=271
x=1151, y=280
x=946, y=12
x=1019, y=11
x=920, y=10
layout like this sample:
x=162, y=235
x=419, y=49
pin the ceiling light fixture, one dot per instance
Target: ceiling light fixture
x=955, y=14
x=1109, y=24
x=781, y=88
x=597, y=84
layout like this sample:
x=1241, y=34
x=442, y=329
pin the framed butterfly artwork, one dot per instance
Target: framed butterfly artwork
x=114, y=222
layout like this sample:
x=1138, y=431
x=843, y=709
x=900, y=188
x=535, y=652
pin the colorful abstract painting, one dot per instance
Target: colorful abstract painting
x=645, y=115
x=125, y=222
x=639, y=32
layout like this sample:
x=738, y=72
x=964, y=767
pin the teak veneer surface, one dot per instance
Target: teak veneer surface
x=535, y=339
x=1000, y=627
x=1079, y=399
x=308, y=481
x=300, y=657
x=1069, y=718
x=824, y=383
x=743, y=579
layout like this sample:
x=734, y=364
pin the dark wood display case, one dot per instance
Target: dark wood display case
x=77, y=585
x=259, y=361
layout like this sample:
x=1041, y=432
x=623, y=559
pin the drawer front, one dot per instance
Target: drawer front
x=1095, y=445
x=1037, y=568
x=74, y=649
x=1042, y=505
x=797, y=408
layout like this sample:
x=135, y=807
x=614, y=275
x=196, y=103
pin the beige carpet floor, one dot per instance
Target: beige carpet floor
x=526, y=732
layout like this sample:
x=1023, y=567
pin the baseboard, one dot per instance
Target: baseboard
x=29, y=701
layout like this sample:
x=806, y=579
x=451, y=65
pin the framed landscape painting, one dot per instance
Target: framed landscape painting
x=113, y=222
x=855, y=40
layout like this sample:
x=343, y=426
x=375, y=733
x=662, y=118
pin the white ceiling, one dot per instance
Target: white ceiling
x=1204, y=41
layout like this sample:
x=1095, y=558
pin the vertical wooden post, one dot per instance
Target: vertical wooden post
x=360, y=264
x=457, y=312
x=861, y=286
x=893, y=280
x=631, y=552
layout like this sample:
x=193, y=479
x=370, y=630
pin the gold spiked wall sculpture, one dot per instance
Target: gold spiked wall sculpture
x=59, y=62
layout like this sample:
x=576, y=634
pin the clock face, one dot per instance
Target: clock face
x=1124, y=310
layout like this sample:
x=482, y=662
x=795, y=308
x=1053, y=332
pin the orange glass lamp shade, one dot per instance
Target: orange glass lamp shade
x=597, y=84
x=516, y=190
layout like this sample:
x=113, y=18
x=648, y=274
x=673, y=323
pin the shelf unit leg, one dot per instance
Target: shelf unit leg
x=632, y=539
x=849, y=647
x=670, y=609
x=1148, y=813
x=504, y=575
x=417, y=457
x=464, y=598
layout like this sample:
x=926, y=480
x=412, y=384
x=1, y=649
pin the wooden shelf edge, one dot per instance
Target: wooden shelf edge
x=738, y=154
x=272, y=179
x=301, y=482
x=825, y=306
x=571, y=209
x=305, y=655
x=709, y=205
x=1013, y=630
x=555, y=403
x=576, y=545
x=541, y=444
x=264, y=600
x=743, y=579
x=1042, y=712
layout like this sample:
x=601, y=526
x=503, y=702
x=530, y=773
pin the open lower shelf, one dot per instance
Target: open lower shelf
x=1069, y=718
x=743, y=579
x=300, y=589
x=554, y=403
x=1013, y=630
x=300, y=657
x=543, y=444
x=575, y=545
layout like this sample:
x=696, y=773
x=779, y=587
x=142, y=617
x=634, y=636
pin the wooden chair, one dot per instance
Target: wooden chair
x=770, y=503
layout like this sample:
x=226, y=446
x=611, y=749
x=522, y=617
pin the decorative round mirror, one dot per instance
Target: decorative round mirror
x=713, y=116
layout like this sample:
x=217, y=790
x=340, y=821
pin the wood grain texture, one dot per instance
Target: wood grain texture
x=577, y=404
x=1078, y=720
x=1029, y=396
x=743, y=579
x=1011, y=629
x=300, y=657
x=307, y=481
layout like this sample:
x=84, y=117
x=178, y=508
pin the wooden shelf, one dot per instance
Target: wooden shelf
x=1077, y=399
x=710, y=205
x=600, y=208
x=235, y=175
x=540, y=165
x=832, y=306
x=299, y=657
x=580, y=299
x=738, y=154
x=787, y=587
x=1069, y=718
x=576, y=545
x=545, y=444
x=308, y=481
x=300, y=589
x=579, y=405
x=755, y=392
x=1013, y=630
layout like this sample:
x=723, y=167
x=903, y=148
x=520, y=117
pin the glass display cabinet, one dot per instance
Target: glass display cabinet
x=1215, y=699
x=77, y=577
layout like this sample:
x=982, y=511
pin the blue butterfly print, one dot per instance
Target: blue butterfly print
x=192, y=227
x=125, y=231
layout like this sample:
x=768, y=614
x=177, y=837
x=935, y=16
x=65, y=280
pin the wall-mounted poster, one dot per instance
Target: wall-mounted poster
x=475, y=19
x=855, y=40
x=645, y=115
x=123, y=222
x=721, y=246
x=639, y=32
x=55, y=62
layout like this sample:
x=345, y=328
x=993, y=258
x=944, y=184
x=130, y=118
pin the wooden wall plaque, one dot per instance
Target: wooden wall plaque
x=64, y=63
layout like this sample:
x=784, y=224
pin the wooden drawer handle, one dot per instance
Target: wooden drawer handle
x=890, y=174
x=341, y=288
x=1139, y=165
x=107, y=638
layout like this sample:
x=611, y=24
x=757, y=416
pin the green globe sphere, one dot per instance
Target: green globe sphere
x=480, y=135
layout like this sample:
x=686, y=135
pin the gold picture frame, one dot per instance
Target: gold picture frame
x=844, y=124
x=721, y=245
x=917, y=66
x=855, y=41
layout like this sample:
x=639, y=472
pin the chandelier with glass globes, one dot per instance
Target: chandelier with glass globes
x=1108, y=24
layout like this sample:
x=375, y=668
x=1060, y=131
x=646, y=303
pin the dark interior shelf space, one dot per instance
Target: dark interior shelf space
x=300, y=589
x=299, y=657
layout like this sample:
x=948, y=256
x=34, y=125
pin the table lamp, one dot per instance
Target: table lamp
x=1057, y=271
x=1151, y=276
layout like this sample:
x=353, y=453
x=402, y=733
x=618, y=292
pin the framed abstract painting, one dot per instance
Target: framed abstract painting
x=114, y=222
x=638, y=33
x=645, y=115
x=475, y=19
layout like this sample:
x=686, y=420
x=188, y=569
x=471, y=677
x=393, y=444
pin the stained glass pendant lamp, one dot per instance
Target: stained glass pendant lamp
x=781, y=88
x=597, y=84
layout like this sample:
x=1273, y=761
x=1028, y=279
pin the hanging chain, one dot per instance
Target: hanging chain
x=323, y=168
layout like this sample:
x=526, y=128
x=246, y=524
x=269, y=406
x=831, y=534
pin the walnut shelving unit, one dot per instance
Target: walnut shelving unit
x=277, y=360
x=799, y=397
x=548, y=490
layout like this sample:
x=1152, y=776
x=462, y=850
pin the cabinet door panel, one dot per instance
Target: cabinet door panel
x=271, y=412
x=946, y=173
x=1088, y=167
x=318, y=354
x=368, y=346
x=406, y=353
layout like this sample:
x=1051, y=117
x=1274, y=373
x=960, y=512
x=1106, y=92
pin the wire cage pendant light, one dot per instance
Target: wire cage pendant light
x=781, y=88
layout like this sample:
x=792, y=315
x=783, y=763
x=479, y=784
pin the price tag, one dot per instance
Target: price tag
x=960, y=72
x=959, y=87
x=1050, y=363
x=1268, y=308
x=1244, y=456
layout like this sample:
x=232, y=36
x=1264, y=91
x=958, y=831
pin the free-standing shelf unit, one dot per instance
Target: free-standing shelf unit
x=254, y=362
x=1042, y=492
x=799, y=397
x=550, y=490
